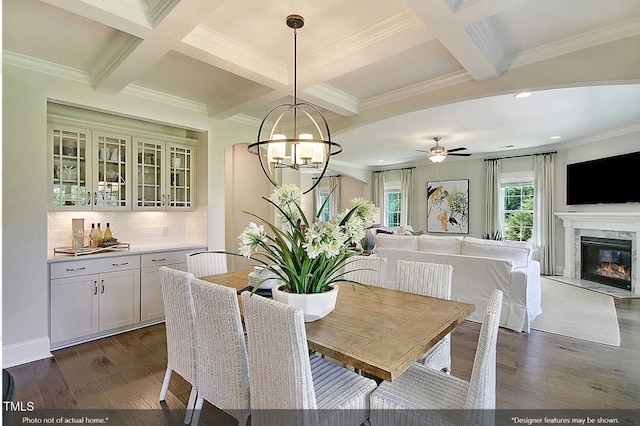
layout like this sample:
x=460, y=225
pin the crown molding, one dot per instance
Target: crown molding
x=571, y=44
x=245, y=119
x=164, y=98
x=489, y=44
x=390, y=26
x=69, y=73
x=219, y=45
x=46, y=67
x=348, y=105
x=114, y=62
x=162, y=9
x=131, y=10
x=417, y=89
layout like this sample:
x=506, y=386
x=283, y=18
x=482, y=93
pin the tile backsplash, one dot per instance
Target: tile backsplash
x=136, y=228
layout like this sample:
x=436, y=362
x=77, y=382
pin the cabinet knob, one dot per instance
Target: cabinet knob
x=102, y=283
x=159, y=260
x=120, y=264
x=76, y=269
x=95, y=287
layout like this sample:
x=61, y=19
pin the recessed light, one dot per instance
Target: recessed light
x=380, y=161
x=521, y=95
x=556, y=137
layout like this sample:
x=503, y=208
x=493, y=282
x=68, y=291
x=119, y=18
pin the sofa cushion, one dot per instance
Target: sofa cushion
x=403, y=242
x=519, y=252
x=435, y=244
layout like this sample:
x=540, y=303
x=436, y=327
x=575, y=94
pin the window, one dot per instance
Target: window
x=518, y=210
x=393, y=203
x=323, y=194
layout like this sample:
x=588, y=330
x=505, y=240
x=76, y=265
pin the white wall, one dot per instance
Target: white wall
x=472, y=169
x=24, y=193
x=245, y=185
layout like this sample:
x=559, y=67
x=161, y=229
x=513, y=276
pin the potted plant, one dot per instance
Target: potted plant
x=308, y=257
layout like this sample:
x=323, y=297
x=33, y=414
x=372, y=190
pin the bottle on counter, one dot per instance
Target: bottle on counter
x=100, y=234
x=107, y=233
x=93, y=235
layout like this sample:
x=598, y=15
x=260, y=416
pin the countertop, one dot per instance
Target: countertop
x=134, y=249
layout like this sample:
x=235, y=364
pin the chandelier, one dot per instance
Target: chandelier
x=294, y=136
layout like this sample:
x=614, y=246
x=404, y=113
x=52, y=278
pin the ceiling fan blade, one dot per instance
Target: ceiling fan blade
x=461, y=155
x=422, y=150
x=449, y=151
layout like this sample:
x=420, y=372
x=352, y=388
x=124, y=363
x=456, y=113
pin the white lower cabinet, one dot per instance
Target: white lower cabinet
x=74, y=307
x=119, y=299
x=152, y=304
x=91, y=298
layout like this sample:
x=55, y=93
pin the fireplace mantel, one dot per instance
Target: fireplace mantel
x=581, y=222
x=614, y=221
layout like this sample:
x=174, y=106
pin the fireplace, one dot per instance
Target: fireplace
x=606, y=260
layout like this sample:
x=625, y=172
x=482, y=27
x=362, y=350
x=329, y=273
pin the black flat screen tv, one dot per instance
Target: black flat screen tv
x=605, y=180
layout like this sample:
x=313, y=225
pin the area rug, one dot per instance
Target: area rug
x=578, y=313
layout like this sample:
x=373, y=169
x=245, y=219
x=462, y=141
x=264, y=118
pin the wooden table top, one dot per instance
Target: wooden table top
x=382, y=333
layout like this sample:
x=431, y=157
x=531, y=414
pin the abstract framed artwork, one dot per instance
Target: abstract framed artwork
x=448, y=206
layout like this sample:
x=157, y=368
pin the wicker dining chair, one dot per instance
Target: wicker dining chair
x=367, y=270
x=179, y=324
x=423, y=396
x=223, y=368
x=288, y=386
x=206, y=263
x=434, y=280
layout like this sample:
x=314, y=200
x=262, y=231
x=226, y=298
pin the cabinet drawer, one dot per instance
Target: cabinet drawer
x=118, y=263
x=165, y=258
x=74, y=268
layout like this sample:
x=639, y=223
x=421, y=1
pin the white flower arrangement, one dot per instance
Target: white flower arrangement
x=307, y=256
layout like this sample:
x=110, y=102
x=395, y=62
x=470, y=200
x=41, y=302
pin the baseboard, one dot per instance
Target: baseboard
x=21, y=353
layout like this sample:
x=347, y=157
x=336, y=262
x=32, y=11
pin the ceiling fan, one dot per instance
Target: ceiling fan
x=438, y=153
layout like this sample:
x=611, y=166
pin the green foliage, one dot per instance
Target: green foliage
x=307, y=256
x=518, y=205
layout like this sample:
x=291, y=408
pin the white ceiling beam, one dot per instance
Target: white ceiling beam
x=131, y=62
x=391, y=35
x=215, y=49
x=471, y=44
x=327, y=97
x=483, y=9
x=129, y=16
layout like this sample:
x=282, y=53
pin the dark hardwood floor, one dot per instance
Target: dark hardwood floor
x=534, y=371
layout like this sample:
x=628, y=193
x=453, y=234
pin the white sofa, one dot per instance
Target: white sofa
x=479, y=266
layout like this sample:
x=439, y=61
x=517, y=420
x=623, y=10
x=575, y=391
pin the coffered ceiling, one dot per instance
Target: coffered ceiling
x=388, y=74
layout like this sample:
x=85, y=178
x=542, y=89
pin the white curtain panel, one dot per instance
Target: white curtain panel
x=493, y=212
x=544, y=219
x=406, y=215
x=334, y=199
x=378, y=195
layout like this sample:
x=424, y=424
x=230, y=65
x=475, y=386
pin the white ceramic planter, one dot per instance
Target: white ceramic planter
x=314, y=306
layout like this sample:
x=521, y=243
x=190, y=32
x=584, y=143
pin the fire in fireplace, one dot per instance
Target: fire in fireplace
x=607, y=261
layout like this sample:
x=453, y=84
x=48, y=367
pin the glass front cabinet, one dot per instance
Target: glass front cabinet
x=93, y=168
x=89, y=169
x=165, y=175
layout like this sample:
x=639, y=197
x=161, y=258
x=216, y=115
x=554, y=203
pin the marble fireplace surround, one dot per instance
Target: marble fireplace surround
x=621, y=225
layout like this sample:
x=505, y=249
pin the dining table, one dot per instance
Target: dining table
x=377, y=330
